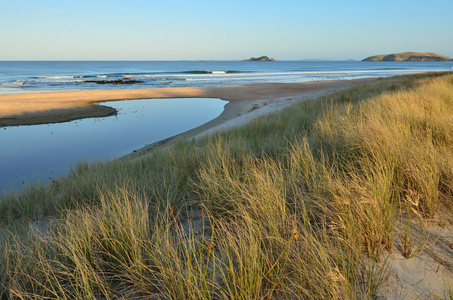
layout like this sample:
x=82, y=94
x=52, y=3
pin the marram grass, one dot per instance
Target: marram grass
x=302, y=204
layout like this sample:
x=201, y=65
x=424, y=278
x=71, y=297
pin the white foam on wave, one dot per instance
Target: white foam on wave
x=59, y=81
x=132, y=75
x=221, y=73
x=227, y=78
x=225, y=75
x=301, y=75
x=58, y=77
x=247, y=75
x=13, y=83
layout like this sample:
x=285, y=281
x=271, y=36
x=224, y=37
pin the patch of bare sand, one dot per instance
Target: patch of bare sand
x=247, y=102
x=54, y=107
x=426, y=271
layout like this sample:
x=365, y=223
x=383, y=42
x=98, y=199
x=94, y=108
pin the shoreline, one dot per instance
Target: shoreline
x=246, y=102
x=56, y=107
x=241, y=112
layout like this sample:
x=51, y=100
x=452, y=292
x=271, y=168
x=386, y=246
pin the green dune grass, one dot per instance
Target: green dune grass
x=301, y=204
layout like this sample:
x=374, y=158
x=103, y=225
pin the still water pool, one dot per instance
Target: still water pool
x=42, y=152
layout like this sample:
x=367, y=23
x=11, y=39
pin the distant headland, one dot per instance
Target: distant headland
x=409, y=56
x=261, y=58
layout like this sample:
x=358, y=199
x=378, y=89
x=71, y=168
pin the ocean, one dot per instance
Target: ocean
x=33, y=76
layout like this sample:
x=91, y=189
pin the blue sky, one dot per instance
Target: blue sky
x=221, y=30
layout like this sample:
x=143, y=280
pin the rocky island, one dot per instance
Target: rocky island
x=409, y=56
x=261, y=58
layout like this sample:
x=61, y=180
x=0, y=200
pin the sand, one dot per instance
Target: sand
x=246, y=102
x=55, y=107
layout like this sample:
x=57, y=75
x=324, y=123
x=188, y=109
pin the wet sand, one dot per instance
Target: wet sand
x=245, y=102
x=54, y=107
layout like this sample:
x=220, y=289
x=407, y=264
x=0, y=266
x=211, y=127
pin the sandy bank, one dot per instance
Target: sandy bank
x=54, y=107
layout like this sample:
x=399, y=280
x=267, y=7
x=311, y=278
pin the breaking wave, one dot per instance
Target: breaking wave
x=214, y=72
x=58, y=77
x=13, y=83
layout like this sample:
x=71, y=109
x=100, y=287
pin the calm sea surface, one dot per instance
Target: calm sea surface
x=43, y=152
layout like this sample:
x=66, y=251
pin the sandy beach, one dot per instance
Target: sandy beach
x=245, y=102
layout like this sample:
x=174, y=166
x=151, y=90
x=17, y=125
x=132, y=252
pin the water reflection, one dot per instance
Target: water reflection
x=42, y=152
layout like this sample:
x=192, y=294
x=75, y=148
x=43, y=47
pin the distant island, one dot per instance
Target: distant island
x=409, y=56
x=261, y=58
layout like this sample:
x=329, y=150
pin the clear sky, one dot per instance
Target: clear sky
x=221, y=30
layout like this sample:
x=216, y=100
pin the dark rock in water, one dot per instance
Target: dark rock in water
x=116, y=81
x=261, y=58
